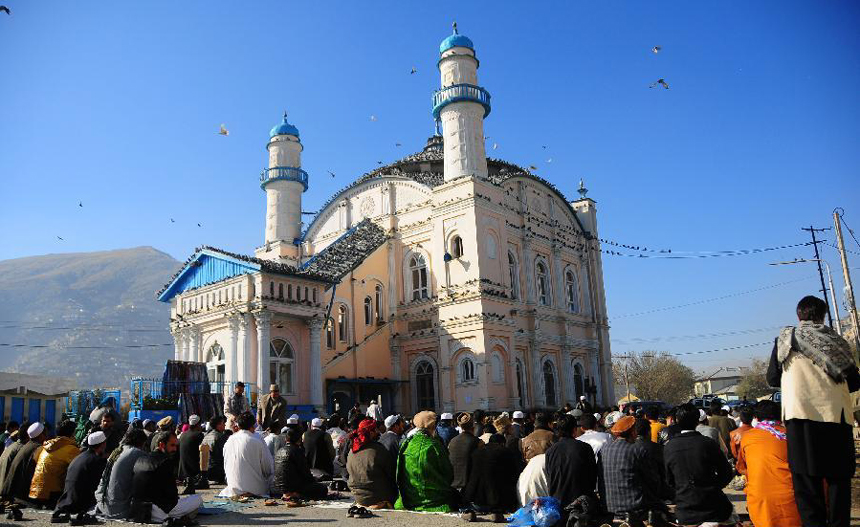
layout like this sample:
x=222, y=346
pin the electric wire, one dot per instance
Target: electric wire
x=708, y=254
x=702, y=336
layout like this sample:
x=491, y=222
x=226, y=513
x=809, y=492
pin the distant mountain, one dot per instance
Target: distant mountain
x=79, y=315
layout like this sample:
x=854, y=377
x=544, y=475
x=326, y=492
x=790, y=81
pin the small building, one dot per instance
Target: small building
x=722, y=382
x=32, y=398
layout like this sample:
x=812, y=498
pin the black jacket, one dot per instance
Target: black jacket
x=460, y=452
x=292, y=473
x=189, y=454
x=316, y=444
x=21, y=469
x=668, y=432
x=155, y=481
x=216, y=440
x=698, y=471
x=571, y=470
x=82, y=479
x=493, y=478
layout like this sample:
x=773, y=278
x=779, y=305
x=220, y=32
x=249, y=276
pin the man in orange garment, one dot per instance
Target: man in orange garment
x=746, y=415
x=763, y=458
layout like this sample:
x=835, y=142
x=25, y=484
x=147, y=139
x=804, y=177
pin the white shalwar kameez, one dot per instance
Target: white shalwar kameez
x=248, y=464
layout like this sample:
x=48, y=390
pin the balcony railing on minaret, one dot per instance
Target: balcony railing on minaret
x=460, y=92
x=283, y=174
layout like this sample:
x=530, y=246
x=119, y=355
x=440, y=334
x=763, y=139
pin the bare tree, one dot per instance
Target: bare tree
x=754, y=384
x=655, y=376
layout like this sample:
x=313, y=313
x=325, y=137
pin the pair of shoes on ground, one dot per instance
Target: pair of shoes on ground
x=15, y=514
x=81, y=519
x=357, y=511
x=471, y=516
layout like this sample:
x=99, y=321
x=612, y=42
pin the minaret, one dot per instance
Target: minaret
x=284, y=182
x=461, y=105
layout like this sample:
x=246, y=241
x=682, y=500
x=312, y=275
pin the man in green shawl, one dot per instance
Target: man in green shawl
x=424, y=472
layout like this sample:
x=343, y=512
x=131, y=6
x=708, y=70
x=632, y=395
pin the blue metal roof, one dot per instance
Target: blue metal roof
x=284, y=128
x=456, y=41
x=206, y=267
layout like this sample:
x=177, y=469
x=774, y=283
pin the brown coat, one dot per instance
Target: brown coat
x=372, y=478
x=536, y=443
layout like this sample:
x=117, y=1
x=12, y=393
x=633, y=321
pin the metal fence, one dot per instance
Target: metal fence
x=161, y=395
x=83, y=402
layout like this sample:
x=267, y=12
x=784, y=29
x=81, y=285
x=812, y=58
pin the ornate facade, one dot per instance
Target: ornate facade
x=445, y=280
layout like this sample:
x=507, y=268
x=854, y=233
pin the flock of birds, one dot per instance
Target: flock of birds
x=224, y=132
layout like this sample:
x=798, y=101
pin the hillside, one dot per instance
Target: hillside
x=79, y=315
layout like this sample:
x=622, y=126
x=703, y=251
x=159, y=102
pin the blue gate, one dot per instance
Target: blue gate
x=35, y=413
x=17, y=409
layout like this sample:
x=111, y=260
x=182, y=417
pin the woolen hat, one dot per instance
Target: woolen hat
x=519, y=415
x=464, y=418
x=446, y=417
x=624, y=424
x=274, y=388
x=35, y=430
x=96, y=438
x=391, y=420
x=425, y=419
x=167, y=421
x=316, y=422
x=194, y=420
x=501, y=422
x=293, y=421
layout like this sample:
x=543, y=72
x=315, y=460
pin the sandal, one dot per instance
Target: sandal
x=270, y=503
x=351, y=511
x=362, y=513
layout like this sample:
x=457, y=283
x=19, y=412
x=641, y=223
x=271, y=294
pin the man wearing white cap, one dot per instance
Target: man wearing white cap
x=374, y=411
x=319, y=448
x=189, y=457
x=82, y=479
x=17, y=483
x=445, y=430
x=584, y=405
x=394, y=428
x=518, y=424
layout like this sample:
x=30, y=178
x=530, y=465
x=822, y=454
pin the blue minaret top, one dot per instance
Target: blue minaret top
x=456, y=40
x=284, y=128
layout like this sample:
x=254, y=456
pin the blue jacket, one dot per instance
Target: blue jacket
x=446, y=433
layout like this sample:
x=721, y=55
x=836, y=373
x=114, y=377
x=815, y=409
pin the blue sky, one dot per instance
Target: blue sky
x=116, y=105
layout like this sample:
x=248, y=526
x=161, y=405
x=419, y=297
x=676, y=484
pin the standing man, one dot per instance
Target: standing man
x=446, y=430
x=82, y=479
x=816, y=370
x=272, y=409
x=584, y=405
x=237, y=404
x=374, y=411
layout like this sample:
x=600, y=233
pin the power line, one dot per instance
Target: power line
x=4, y=344
x=769, y=342
x=87, y=328
x=703, y=336
x=707, y=254
x=708, y=300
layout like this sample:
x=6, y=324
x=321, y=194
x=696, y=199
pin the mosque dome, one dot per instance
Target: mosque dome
x=456, y=41
x=284, y=128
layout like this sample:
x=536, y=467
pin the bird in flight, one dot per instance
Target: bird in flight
x=532, y=168
x=330, y=172
x=379, y=162
x=172, y=220
x=414, y=71
x=549, y=160
x=199, y=225
x=660, y=82
x=543, y=146
x=6, y=9
x=373, y=118
x=60, y=239
x=495, y=145
x=397, y=144
x=223, y=131
x=80, y=204
x=656, y=49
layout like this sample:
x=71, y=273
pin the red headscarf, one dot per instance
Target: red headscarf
x=363, y=434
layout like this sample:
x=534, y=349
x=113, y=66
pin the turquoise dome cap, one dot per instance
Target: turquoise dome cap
x=456, y=41
x=284, y=128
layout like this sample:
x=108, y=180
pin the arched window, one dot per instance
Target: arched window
x=572, y=288
x=520, y=383
x=342, y=323
x=456, y=247
x=298, y=293
x=467, y=370
x=497, y=368
x=542, y=278
x=307, y=295
x=418, y=271
x=549, y=384
x=491, y=246
x=379, y=316
x=578, y=381
x=289, y=291
x=424, y=386
x=329, y=334
x=368, y=311
x=281, y=365
x=280, y=291
x=514, y=272
x=586, y=291
x=272, y=289
x=315, y=295
x=215, y=364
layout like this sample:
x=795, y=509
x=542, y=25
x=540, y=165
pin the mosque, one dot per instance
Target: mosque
x=445, y=281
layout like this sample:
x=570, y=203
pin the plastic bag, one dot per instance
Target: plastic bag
x=541, y=512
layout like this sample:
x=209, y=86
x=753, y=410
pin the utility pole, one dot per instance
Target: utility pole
x=812, y=230
x=846, y=275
